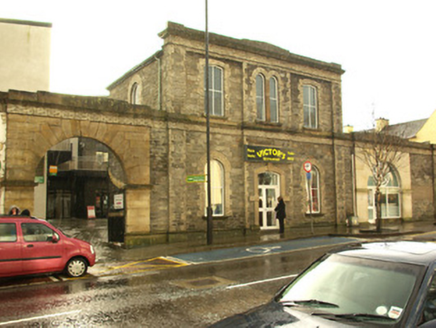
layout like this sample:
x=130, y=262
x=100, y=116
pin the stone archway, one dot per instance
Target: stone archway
x=32, y=131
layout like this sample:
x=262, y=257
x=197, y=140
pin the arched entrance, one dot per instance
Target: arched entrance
x=78, y=179
x=34, y=123
x=269, y=190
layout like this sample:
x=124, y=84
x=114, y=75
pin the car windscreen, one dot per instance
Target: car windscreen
x=351, y=285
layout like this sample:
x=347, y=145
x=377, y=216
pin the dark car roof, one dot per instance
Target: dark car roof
x=421, y=253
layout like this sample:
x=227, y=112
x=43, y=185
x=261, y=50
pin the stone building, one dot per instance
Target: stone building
x=271, y=111
x=274, y=115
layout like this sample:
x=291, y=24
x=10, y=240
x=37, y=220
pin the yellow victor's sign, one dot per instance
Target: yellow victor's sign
x=268, y=154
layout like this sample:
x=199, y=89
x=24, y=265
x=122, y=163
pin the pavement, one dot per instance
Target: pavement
x=95, y=232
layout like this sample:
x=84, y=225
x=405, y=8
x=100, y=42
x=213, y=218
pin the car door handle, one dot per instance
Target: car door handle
x=29, y=246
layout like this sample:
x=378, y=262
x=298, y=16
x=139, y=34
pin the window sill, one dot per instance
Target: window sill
x=216, y=117
x=310, y=128
x=269, y=123
x=314, y=214
x=217, y=218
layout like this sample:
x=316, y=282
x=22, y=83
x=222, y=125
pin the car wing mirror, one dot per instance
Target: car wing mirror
x=55, y=238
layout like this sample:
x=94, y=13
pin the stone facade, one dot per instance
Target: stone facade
x=161, y=142
x=181, y=81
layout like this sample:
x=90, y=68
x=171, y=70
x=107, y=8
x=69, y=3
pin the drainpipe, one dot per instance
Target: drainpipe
x=335, y=193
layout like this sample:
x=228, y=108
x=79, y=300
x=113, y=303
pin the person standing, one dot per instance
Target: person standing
x=281, y=213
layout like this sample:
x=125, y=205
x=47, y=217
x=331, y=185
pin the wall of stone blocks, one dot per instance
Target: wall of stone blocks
x=422, y=175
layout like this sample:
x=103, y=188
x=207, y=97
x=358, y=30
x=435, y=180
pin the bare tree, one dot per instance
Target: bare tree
x=380, y=149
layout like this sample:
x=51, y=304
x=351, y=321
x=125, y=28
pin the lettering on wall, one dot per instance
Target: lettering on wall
x=268, y=154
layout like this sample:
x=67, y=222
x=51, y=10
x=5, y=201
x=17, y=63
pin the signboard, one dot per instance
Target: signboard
x=268, y=154
x=196, y=178
x=39, y=179
x=91, y=212
x=53, y=170
x=119, y=201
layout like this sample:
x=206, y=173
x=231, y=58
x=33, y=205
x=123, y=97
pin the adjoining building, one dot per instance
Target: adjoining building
x=25, y=55
x=274, y=116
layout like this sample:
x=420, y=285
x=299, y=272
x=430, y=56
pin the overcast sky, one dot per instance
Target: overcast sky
x=386, y=47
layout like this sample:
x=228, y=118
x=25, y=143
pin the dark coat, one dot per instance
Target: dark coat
x=281, y=210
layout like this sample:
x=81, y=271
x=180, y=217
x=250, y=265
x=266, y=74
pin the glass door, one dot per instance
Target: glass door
x=268, y=192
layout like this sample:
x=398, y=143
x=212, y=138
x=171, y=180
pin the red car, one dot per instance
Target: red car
x=32, y=246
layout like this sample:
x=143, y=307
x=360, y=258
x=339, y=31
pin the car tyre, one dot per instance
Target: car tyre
x=76, y=267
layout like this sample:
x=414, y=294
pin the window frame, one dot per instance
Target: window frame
x=314, y=186
x=260, y=98
x=214, y=163
x=267, y=102
x=310, y=106
x=390, y=188
x=46, y=233
x=215, y=93
x=273, y=98
x=134, y=94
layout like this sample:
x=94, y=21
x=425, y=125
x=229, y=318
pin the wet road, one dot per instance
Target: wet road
x=183, y=296
x=160, y=292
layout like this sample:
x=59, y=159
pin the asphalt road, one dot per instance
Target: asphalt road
x=190, y=290
x=194, y=295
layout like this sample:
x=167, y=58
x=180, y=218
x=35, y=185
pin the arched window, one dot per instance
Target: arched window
x=390, y=197
x=260, y=97
x=216, y=93
x=267, y=99
x=217, y=188
x=134, y=94
x=273, y=100
x=313, y=189
x=310, y=107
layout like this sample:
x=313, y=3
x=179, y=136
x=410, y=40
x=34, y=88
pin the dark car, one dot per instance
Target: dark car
x=32, y=246
x=383, y=284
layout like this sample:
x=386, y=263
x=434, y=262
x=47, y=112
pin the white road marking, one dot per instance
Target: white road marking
x=40, y=317
x=261, y=281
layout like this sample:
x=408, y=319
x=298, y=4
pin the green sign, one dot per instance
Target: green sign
x=39, y=179
x=196, y=178
x=268, y=154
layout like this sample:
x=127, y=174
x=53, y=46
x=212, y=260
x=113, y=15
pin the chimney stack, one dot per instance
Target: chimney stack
x=380, y=124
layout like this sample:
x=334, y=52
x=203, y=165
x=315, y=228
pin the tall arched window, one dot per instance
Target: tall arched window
x=273, y=100
x=260, y=97
x=134, y=94
x=313, y=188
x=267, y=99
x=310, y=107
x=390, y=197
x=216, y=91
x=217, y=188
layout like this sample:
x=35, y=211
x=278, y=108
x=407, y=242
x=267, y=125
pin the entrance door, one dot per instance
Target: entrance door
x=268, y=184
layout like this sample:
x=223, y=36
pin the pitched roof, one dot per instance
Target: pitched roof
x=406, y=130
